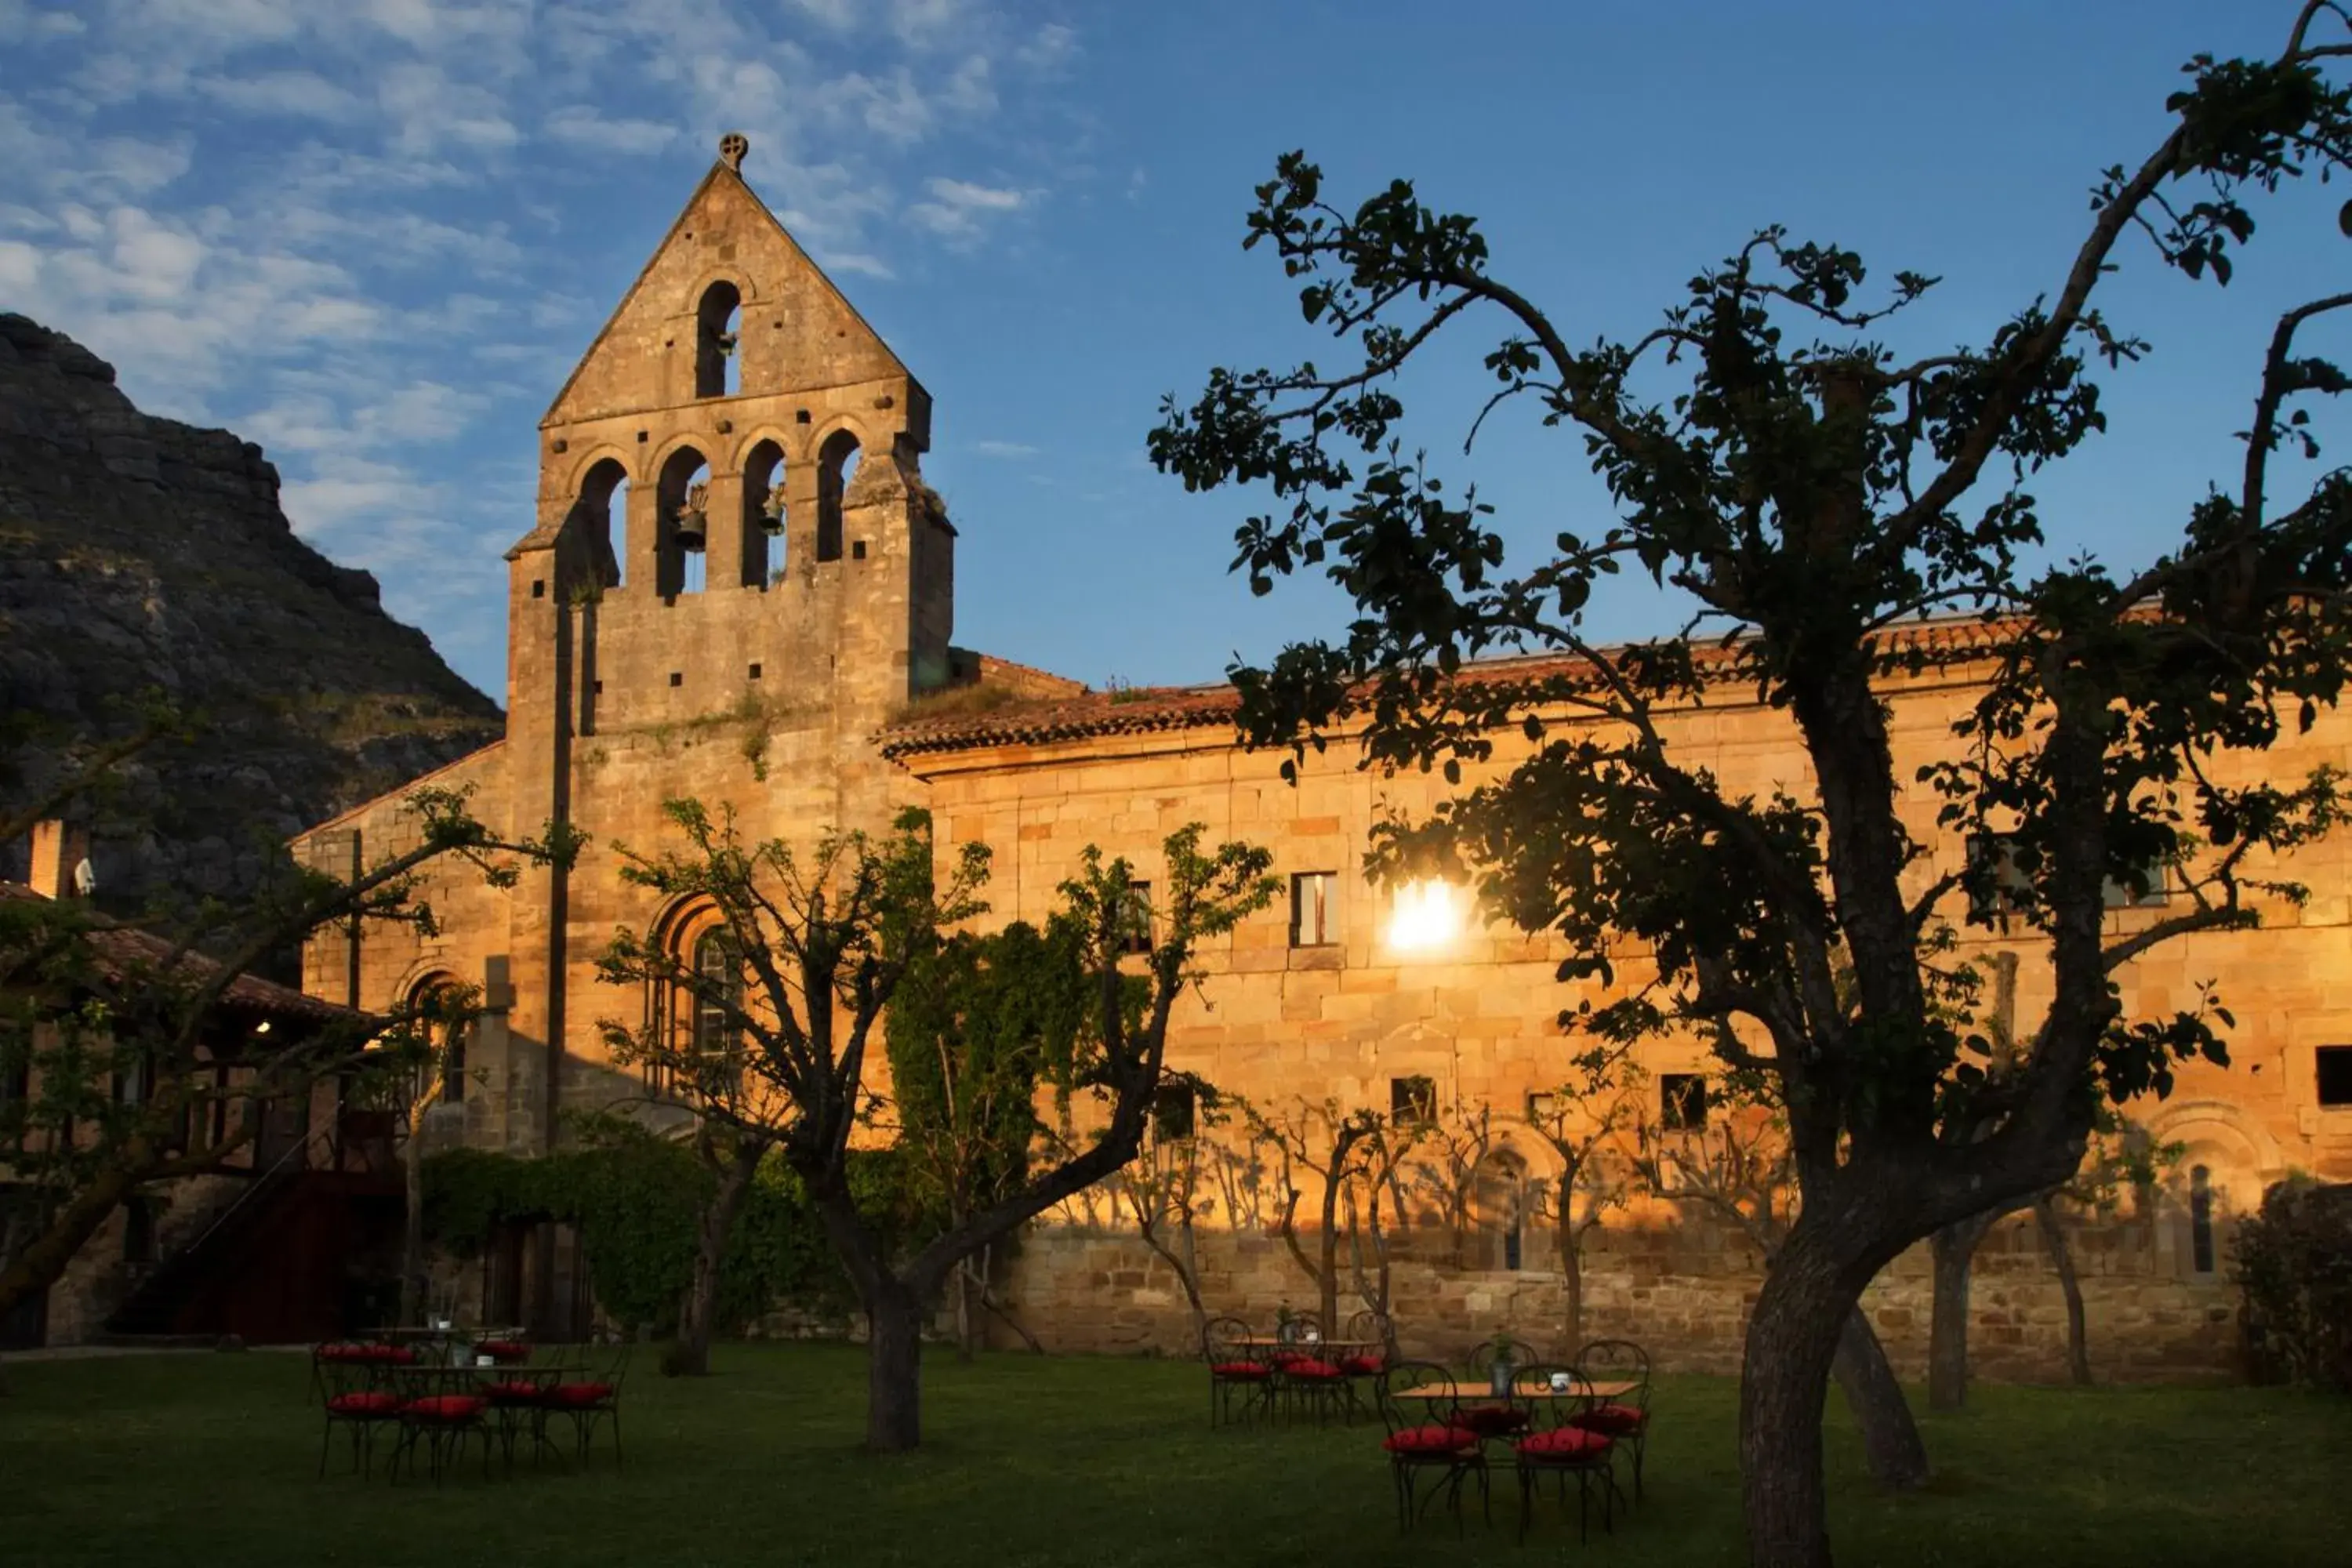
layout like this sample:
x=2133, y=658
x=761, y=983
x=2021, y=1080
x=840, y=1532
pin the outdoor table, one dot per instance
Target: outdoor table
x=1476, y=1389
x=1312, y=1347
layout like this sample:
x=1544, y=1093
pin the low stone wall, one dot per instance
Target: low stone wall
x=1683, y=1292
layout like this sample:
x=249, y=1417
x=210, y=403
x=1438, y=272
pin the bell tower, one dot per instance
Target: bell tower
x=730, y=500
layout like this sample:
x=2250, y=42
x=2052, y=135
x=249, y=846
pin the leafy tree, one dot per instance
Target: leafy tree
x=126, y=1059
x=976, y=1023
x=1325, y=1141
x=1811, y=492
x=824, y=942
x=1583, y=1119
x=1161, y=1187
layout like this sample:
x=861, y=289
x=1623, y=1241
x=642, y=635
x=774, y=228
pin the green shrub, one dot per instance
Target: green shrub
x=2294, y=1265
x=636, y=1200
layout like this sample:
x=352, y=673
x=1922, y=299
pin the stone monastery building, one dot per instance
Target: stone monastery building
x=738, y=587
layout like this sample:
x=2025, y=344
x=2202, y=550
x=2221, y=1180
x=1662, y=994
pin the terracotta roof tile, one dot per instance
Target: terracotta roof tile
x=1147, y=710
x=120, y=948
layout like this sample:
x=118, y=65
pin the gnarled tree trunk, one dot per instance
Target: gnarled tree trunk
x=1802, y=1314
x=2062, y=1257
x=1891, y=1446
x=1954, y=1248
x=690, y=1357
x=894, y=1368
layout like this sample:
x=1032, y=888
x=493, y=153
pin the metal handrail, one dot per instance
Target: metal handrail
x=266, y=1179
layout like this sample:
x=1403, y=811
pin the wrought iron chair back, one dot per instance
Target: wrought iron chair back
x=1618, y=1361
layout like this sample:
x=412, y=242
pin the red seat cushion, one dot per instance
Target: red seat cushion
x=1249, y=1369
x=1431, y=1441
x=1364, y=1365
x=503, y=1350
x=343, y=1352
x=1565, y=1443
x=443, y=1407
x=1615, y=1419
x=389, y=1355
x=1313, y=1371
x=513, y=1393
x=580, y=1393
x=1491, y=1420
x=364, y=1404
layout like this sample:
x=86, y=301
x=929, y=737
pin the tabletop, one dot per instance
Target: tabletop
x=1269, y=1341
x=1478, y=1388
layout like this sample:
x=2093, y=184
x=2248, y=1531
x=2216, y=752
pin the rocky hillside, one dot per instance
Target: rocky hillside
x=137, y=554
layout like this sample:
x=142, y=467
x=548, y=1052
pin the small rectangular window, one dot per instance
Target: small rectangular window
x=1682, y=1100
x=1134, y=919
x=1412, y=1101
x=1175, y=1110
x=2141, y=889
x=2336, y=1075
x=1312, y=923
x=1995, y=878
x=1541, y=1108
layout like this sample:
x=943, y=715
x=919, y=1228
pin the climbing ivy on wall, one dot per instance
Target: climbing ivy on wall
x=635, y=1197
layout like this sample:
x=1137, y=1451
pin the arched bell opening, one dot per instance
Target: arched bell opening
x=836, y=463
x=718, y=341
x=763, y=516
x=682, y=541
x=602, y=513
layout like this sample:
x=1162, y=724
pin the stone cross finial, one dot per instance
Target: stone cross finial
x=731, y=148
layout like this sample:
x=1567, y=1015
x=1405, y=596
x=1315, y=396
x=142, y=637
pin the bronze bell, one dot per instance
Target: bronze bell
x=772, y=514
x=690, y=530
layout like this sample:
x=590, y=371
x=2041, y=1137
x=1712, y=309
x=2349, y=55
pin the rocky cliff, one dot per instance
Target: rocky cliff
x=138, y=554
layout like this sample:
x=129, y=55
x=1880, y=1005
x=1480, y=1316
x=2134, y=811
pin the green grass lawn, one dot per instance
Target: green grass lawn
x=210, y=1460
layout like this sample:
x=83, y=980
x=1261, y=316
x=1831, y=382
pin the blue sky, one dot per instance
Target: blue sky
x=375, y=235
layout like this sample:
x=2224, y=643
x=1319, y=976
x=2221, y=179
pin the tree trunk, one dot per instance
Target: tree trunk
x=1802, y=1314
x=1892, y=1448
x=1572, y=1275
x=44, y=1260
x=690, y=1357
x=1954, y=1249
x=412, y=1235
x=894, y=1368
x=2061, y=1257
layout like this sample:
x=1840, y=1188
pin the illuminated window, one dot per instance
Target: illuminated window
x=717, y=962
x=1313, y=913
x=1134, y=919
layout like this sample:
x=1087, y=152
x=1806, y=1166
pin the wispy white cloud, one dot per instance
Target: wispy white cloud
x=1013, y=449
x=959, y=211
x=579, y=125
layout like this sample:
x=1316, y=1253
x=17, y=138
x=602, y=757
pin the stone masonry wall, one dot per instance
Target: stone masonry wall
x=1680, y=1292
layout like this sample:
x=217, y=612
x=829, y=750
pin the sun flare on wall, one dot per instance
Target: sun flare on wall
x=1427, y=917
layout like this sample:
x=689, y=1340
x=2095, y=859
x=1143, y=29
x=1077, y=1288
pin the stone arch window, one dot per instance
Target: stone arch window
x=717, y=962
x=603, y=511
x=836, y=465
x=436, y=989
x=1499, y=1207
x=2200, y=1219
x=718, y=339
x=763, y=516
x=682, y=531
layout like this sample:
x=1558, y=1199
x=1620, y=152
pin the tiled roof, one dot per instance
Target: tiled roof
x=122, y=948
x=1148, y=709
